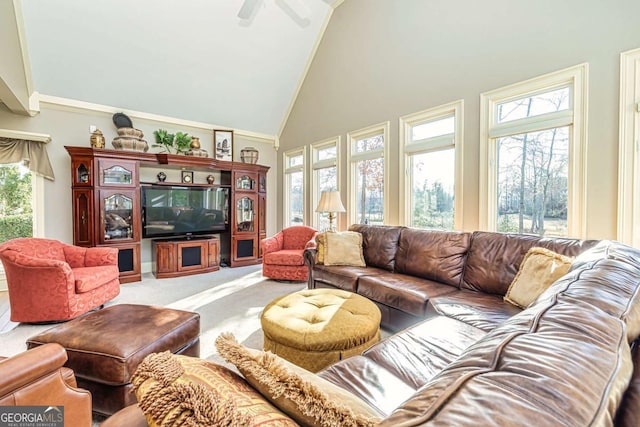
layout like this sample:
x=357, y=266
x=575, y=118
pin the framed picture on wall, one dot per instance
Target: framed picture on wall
x=223, y=144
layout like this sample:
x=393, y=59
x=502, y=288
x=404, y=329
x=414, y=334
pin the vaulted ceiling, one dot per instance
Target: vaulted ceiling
x=188, y=59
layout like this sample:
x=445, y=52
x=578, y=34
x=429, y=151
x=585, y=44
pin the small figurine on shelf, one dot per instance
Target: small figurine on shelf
x=162, y=176
x=97, y=139
x=211, y=179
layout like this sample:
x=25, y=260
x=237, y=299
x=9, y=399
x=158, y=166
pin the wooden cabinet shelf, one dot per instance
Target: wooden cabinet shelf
x=181, y=257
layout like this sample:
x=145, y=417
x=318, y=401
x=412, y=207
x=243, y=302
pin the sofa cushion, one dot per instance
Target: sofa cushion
x=407, y=293
x=483, y=311
x=344, y=248
x=180, y=390
x=342, y=277
x=493, y=259
x=307, y=398
x=433, y=255
x=379, y=243
x=629, y=413
x=539, y=269
x=89, y=278
x=284, y=257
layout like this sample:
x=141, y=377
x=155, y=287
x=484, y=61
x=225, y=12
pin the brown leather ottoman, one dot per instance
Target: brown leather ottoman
x=105, y=347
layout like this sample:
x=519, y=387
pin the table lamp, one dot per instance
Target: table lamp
x=330, y=203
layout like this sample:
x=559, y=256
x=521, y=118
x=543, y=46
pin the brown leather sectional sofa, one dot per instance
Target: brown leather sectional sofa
x=570, y=359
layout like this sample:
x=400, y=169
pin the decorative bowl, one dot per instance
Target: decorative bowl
x=130, y=144
x=136, y=133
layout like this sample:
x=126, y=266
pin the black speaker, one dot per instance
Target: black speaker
x=191, y=255
x=125, y=260
x=244, y=248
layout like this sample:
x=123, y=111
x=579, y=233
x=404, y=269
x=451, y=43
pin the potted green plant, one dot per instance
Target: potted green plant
x=164, y=140
x=182, y=142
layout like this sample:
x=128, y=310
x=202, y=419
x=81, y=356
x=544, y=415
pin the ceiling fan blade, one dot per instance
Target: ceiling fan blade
x=249, y=7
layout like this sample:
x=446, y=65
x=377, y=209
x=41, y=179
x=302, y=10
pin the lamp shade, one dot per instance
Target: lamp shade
x=330, y=202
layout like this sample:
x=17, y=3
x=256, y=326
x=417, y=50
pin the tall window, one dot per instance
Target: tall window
x=628, y=166
x=294, y=187
x=324, y=163
x=367, y=184
x=532, y=155
x=431, y=150
x=16, y=205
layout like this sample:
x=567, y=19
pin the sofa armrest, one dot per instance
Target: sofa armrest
x=29, y=366
x=273, y=243
x=130, y=416
x=311, y=244
x=310, y=260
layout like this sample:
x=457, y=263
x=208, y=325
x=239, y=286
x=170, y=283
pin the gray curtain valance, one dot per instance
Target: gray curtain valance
x=32, y=153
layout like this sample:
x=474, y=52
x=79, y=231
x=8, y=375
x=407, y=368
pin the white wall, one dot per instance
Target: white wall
x=381, y=59
x=70, y=127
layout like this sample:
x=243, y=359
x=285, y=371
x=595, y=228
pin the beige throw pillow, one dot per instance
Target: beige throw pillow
x=344, y=248
x=304, y=396
x=539, y=269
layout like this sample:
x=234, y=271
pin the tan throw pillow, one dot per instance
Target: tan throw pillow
x=320, y=239
x=175, y=390
x=304, y=396
x=344, y=248
x=539, y=269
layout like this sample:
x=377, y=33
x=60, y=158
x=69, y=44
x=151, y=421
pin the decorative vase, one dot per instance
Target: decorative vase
x=211, y=179
x=249, y=155
x=97, y=139
x=195, y=142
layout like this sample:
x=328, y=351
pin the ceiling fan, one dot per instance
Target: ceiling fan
x=296, y=9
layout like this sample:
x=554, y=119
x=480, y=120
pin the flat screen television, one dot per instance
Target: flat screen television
x=174, y=210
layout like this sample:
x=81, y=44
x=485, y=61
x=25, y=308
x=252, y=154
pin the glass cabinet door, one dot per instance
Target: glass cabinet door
x=245, y=214
x=117, y=216
x=118, y=173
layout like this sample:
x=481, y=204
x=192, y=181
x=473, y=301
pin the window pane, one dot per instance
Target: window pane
x=548, y=102
x=432, y=192
x=368, y=144
x=16, y=214
x=295, y=161
x=432, y=129
x=296, y=215
x=327, y=153
x=369, y=191
x=327, y=180
x=533, y=182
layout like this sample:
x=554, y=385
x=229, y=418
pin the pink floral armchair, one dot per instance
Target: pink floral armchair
x=51, y=281
x=282, y=254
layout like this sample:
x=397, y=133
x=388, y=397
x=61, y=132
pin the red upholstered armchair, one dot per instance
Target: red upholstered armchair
x=51, y=281
x=282, y=254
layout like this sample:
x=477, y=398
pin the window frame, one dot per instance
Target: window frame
x=286, y=170
x=628, y=158
x=407, y=148
x=353, y=158
x=317, y=165
x=576, y=78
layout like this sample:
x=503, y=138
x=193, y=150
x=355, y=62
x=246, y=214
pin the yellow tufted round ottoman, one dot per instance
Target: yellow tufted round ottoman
x=317, y=327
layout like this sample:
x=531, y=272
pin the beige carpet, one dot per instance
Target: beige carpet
x=229, y=300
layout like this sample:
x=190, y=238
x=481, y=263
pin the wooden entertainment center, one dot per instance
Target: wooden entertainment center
x=106, y=194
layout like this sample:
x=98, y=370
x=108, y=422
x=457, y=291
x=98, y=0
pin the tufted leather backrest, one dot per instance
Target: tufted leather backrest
x=379, y=244
x=494, y=258
x=431, y=254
